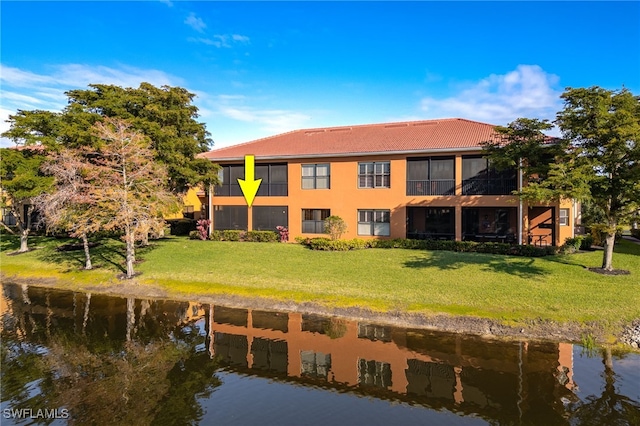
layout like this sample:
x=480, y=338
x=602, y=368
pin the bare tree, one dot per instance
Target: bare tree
x=70, y=207
x=128, y=186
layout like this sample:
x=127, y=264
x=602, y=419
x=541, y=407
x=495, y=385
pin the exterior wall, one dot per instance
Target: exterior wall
x=192, y=199
x=344, y=198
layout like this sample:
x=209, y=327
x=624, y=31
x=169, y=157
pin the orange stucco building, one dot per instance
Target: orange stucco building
x=421, y=179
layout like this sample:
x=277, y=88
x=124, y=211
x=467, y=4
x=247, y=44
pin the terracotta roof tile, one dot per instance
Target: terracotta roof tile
x=429, y=135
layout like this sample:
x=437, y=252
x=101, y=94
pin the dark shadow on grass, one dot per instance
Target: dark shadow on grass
x=521, y=267
x=108, y=252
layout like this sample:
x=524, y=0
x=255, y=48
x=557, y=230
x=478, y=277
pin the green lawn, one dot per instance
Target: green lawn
x=511, y=289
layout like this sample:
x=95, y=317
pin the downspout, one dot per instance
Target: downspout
x=520, y=215
x=210, y=213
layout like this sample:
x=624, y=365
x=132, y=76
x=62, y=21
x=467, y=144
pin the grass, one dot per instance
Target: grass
x=510, y=289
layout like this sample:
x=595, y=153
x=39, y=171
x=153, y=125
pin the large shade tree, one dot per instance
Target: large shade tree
x=603, y=127
x=22, y=181
x=166, y=115
x=597, y=160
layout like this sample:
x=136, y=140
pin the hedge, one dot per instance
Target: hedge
x=327, y=244
x=251, y=236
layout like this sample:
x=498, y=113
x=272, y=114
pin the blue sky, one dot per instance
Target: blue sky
x=262, y=68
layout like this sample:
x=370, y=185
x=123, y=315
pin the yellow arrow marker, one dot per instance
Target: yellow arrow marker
x=249, y=185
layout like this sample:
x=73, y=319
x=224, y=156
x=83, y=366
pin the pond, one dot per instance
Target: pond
x=81, y=358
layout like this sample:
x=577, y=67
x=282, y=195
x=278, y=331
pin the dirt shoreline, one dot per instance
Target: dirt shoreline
x=538, y=329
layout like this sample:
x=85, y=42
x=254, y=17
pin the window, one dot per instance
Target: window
x=188, y=212
x=315, y=176
x=431, y=176
x=374, y=222
x=313, y=220
x=274, y=180
x=436, y=223
x=374, y=175
x=564, y=217
x=266, y=218
x=229, y=186
x=230, y=217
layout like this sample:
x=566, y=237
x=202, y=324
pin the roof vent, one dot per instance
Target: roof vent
x=396, y=125
x=427, y=123
x=311, y=132
x=340, y=129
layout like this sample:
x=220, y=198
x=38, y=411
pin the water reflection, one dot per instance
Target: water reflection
x=124, y=360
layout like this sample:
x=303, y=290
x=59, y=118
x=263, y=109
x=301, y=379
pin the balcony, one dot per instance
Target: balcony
x=431, y=187
x=493, y=186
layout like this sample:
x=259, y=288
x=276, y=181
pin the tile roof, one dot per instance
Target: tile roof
x=383, y=138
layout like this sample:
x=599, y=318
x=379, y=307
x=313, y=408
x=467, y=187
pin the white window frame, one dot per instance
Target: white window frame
x=374, y=222
x=564, y=219
x=376, y=172
x=315, y=176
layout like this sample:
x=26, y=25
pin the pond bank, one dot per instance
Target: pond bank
x=537, y=329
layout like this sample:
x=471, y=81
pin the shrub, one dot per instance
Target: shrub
x=327, y=244
x=261, y=236
x=181, y=226
x=587, y=242
x=194, y=235
x=635, y=233
x=233, y=235
x=203, y=228
x=216, y=235
x=571, y=245
x=283, y=232
x=335, y=227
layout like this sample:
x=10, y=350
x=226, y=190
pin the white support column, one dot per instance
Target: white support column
x=520, y=215
x=210, y=197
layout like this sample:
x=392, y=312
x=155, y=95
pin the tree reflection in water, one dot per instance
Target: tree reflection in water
x=154, y=374
x=610, y=408
x=114, y=360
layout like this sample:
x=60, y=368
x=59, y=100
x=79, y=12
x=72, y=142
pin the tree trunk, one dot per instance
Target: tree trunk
x=607, y=256
x=87, y=255
x=131, y=253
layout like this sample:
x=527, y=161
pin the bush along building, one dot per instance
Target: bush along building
x=416, y=180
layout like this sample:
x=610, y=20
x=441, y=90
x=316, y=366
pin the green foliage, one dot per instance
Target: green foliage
x=233, y=235
x=194, y=235
x=572, y=245
x=335, y=226
x=181, y=226
x=523, y=139
x=166, y=115
x=22, y=180
x=599, y=231
x=249, y=236
x=327, y=244
x=262, y=236
x=21, y=176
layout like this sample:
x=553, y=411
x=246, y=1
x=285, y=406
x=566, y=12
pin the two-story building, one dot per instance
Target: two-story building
x=421, y=179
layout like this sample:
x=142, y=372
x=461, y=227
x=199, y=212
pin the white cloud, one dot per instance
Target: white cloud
x=26, y=90
x=527, y=91
x=240, y=38
x=196, y=23
x=221, y=40
x=268, y=120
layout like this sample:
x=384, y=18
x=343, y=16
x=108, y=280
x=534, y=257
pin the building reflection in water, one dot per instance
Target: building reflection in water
x=501, y=380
